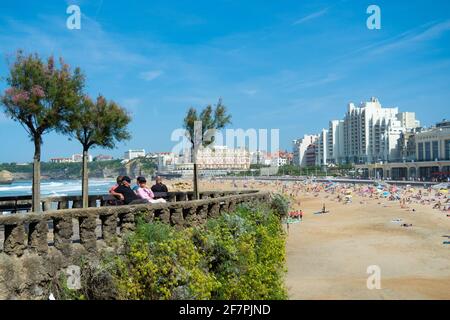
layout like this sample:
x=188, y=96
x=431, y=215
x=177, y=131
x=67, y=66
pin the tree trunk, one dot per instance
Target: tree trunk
x=85, y=178
x=36, y=187
x=196, y=192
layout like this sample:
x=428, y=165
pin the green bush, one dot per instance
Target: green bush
x=162, y=263
x=236, y=256
x=246, y=253
x=280, y=205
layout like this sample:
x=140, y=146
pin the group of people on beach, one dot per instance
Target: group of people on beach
x=344, y=193
x=140, y=193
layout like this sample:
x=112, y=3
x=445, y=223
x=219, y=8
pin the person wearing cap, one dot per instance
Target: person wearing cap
x=126, y=194
x=144, y=192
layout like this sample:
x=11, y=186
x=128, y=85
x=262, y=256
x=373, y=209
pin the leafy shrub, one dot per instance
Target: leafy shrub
x=246, y=252
x=236, y=256
x=280, y=205
x=162, y=263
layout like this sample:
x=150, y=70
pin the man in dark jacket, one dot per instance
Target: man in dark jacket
x=127, y=195
x=159, y=187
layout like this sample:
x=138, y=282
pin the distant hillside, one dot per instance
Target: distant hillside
x=97, y=169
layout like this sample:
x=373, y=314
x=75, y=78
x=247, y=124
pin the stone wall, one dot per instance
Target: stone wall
x=37, y=246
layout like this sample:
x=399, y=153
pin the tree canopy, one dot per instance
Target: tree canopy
x=100, y=123
x=40, y=94
x=211, y=119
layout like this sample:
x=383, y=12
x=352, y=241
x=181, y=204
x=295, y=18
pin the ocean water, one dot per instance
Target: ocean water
x=56, y=188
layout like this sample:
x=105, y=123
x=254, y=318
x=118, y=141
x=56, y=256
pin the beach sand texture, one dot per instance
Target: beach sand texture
x=328, y=255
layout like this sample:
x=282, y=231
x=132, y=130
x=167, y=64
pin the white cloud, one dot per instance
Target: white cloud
x=311, y=16
x=151, y=75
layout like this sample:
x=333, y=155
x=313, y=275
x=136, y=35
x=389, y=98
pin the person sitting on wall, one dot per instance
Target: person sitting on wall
x=113, y=192
x=159, y=187
x=144, y=192
x=126, y=194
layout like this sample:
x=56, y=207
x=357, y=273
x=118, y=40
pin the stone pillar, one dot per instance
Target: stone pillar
x=202, y=214
x=47, y=206
x=14, y=240
x=88, y=237
x=127, y=222
x=232, y=206
x=164, y=215
x=190, y=218
x=38, y=237
x=176, y=217
x=63, y=204
x=62, y=232
x=109, y=227
x=224, y=207
x=214, y=210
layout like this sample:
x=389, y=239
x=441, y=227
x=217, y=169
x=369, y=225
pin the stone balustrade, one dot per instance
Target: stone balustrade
x=99, y=226
x=23, y=203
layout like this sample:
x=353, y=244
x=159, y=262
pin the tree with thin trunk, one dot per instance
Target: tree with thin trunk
x=200, y=130
x=38, y=96
x=96, y=124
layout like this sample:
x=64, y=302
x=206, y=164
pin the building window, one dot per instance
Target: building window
x=435, y=150
x=420, y=155
x=427, y=151
x=447, y=149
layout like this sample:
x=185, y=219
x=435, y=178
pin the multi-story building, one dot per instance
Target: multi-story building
x=407, y=145
x=371, y=132
x=335, y=154
x=220, y=157
x=133, y=154
x=433, y=144
x=310, y=156
x=322, y=149
x=300, y=146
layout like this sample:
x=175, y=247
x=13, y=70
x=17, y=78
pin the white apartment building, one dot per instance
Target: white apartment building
x=220, y=157
x=299, y=149
x=335, y=152
x=133, y=154
x=322, y=148
x=371, y=132
x=278, y=162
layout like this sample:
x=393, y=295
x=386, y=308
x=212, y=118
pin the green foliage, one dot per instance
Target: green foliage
x=161, y=263
x=211, y=119
x=235, y=256
x=280, y=205
x=100, y=123
x=39, y=94
x=246, y=253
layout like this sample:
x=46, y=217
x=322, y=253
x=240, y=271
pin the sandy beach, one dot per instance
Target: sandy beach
x=328, y=254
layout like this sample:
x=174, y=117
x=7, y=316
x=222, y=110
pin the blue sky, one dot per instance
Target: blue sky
x=291, y=65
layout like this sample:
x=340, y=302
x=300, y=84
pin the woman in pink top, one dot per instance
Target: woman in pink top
x=145, y=192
